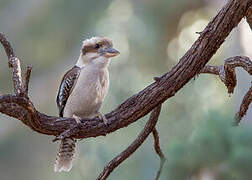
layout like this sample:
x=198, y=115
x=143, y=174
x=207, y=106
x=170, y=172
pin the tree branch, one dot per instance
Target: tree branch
x=150, y=125
x=211, y=38
x=7, y=47
x=244, y=107
x=27, y=80
x=14, y=63
x=142, y=103
x=158, y=151
x=228, y=77
x=227, y=72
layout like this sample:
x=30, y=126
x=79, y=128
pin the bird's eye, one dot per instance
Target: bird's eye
x=97, y=46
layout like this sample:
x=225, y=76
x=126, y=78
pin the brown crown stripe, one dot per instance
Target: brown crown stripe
x=91, y=48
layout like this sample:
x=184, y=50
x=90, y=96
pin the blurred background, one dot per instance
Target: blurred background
x=194, y=125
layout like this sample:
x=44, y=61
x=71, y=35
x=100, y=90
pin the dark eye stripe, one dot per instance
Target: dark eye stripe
x=94, y=48
x=88, y=49
x=97, y=46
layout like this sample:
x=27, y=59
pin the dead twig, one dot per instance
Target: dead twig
x=243, y=107
x=150, y=125
x=138, y=105
x=159, y=152
x=227, y=72
x=146, y=100
x=7, y=47
x=14, y=63
x=27, y=80
x=228, y=77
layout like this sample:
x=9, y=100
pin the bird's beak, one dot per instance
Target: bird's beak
x=109, y=52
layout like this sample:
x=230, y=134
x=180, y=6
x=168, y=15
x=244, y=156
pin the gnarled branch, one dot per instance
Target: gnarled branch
x=149, y=127
x=158, y=151
x=27, y=80
x=228, y=77
x=227, y=72
x=146, y=100
x=244, y=107
x=19, y=106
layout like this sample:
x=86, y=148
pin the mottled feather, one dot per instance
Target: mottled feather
x=66, y=86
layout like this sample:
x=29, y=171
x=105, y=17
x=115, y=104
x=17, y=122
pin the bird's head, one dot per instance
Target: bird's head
x=97, y=51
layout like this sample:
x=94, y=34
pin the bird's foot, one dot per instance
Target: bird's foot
x=103, y=118
x=77, y=119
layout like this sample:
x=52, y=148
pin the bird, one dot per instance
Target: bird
x=82, y=91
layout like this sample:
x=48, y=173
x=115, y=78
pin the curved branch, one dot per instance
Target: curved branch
x=19, y=106
x=228, y=77
x=150, y=125
x=14, y=63
x=227, y=72
x=244, y=107
x=7, y=47
x=159, y=152
x=146, y=100
x=27, y=80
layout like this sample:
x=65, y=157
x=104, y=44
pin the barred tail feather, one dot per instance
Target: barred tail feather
x=65, y=155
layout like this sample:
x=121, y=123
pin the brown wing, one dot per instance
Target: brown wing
x=67, y=84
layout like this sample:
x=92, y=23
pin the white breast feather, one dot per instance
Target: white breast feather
x=88, y=93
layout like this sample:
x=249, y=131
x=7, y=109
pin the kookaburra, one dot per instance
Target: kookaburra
x=82, y=91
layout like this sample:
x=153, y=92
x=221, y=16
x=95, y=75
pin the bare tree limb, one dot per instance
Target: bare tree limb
x=244, y=107
x=142, y=103
x=7, y=47
x=158, y=151
x=227, y=72
x=228, y=77
x=14, y=63
x=27, y=80
x=150, y=125
x=17, y=80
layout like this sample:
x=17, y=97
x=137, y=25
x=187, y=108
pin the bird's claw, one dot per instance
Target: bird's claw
x=77, y=119
x=103, y=118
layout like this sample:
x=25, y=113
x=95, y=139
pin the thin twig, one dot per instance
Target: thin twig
x=158, y=151
x=210, y=69
x=227, y=72
x=146, y=100
x=14, y=63
x=27, y=80
x=17, y=78
x=7, y=47
x=133, y=146
x=228, y=77
x=244, y=107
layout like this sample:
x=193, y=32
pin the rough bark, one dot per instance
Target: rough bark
x=19, y=106
x=149, y=127
x=141, y=103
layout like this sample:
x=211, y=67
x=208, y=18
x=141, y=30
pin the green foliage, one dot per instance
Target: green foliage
x=224, y=150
